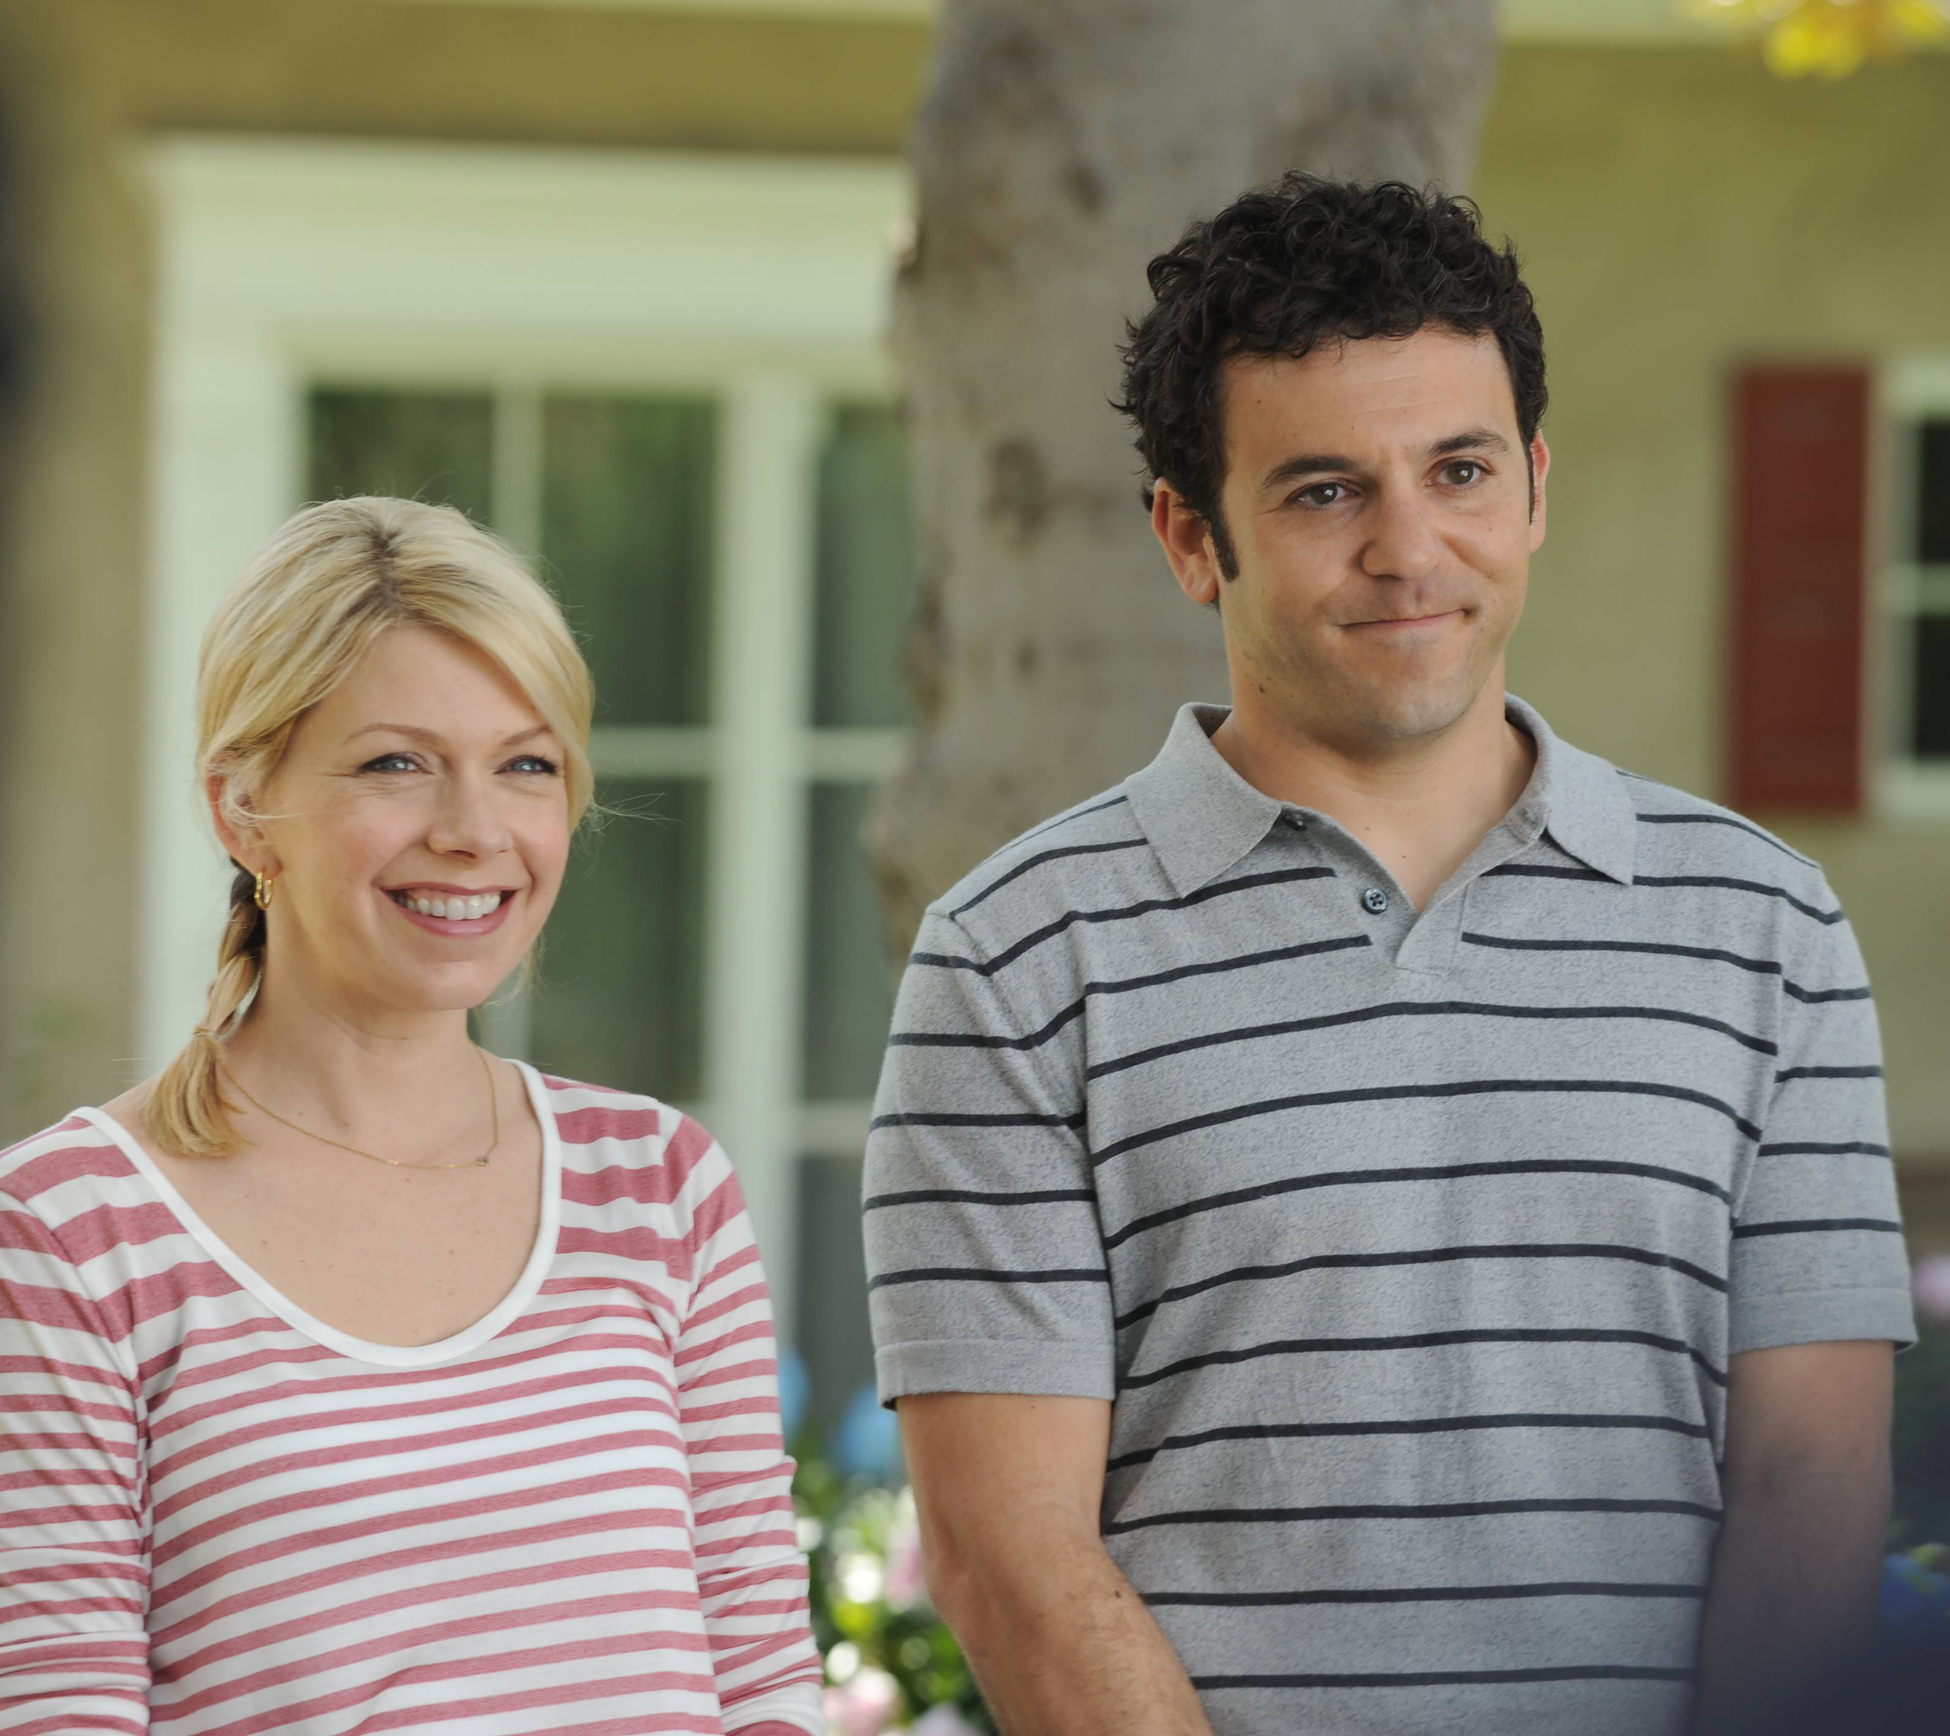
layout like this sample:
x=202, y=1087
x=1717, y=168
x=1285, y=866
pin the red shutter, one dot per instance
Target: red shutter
x=1800, y=517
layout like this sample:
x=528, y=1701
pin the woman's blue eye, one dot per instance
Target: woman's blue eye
x=390, y=762
x=533, y=762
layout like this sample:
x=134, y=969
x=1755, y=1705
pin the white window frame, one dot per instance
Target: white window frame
x=285, y=263
x=1908, y=391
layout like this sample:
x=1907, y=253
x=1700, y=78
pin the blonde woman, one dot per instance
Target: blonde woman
x=351, y=1379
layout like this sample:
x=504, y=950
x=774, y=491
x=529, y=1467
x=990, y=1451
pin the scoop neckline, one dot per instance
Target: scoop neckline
x=540, y=1257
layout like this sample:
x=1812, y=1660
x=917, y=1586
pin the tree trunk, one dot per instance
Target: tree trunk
x=1063, y=143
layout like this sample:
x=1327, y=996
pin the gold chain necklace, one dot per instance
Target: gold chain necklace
x=494, y=1134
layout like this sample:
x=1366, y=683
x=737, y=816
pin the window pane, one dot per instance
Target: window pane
x=849, y=989
x=1931, y=675
x=435, y=446
x=834, y=1338
x=627, y=490
x=866, y=568
x=618, y=1000
x=1933, y=492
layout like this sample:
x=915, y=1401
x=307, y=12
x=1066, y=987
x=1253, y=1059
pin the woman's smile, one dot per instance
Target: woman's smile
x=452, y=909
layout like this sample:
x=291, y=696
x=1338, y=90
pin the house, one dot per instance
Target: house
x=612, y=274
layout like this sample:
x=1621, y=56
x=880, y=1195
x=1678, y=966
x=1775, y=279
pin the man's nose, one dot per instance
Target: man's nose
x=1402, y=542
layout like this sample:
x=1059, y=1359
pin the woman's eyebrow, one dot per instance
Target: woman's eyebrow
x=414, y=733
x=406, y=729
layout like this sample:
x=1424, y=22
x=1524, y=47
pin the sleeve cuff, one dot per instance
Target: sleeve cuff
x=795, y=1710
x=1046, y=1368
x=1820, y=1317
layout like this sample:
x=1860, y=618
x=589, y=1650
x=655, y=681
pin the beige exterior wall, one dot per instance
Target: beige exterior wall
x=1678, y=209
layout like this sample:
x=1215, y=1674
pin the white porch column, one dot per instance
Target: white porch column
x=756, y=900
x=224, y=476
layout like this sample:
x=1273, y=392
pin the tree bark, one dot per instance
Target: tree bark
x=1062, y=144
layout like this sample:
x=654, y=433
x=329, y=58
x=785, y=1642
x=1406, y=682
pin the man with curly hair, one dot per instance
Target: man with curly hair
x=1382, y=1221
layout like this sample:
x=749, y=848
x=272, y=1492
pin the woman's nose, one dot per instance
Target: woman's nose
x=468, y=822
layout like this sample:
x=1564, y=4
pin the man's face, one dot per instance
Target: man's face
x=1379, y=507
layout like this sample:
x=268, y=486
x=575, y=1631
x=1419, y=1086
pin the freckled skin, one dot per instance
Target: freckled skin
x=456, y=809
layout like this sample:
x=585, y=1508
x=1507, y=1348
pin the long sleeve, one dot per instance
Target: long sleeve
x=74, y=1572
x=751, y=1573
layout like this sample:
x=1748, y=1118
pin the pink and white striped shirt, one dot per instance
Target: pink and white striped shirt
x=220, y=1516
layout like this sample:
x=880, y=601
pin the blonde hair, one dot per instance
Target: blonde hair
x=304, y=612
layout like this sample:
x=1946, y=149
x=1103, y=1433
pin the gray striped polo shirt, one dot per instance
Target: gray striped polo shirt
x=1410, y=1246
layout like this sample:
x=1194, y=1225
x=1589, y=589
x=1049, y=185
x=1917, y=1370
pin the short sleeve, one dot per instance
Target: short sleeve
x=1817, y=1239
x=985, y=1261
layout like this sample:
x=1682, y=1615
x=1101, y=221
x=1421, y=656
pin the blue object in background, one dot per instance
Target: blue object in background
x=794, y=1388
x=1914, y=1598
x=867, y=1440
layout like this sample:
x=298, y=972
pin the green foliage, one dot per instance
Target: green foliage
x=869, y=1606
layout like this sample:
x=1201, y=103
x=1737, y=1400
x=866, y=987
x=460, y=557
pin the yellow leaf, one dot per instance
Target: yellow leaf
x=1829, y=38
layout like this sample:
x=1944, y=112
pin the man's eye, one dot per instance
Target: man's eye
x=1462, y=472
x=1321, y=494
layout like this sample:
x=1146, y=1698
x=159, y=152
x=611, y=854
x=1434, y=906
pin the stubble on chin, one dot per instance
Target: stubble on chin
x=1413, y=714
x=1355, y=712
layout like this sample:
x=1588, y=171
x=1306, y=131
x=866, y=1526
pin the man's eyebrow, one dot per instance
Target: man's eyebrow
x=414, y=733
x=1317, y=463
x=1305, y=464
x=1470, y=440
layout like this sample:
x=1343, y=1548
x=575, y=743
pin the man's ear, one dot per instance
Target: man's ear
x=1186, y=537
x=1540, y=463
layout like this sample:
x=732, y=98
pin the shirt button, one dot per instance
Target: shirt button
x=1375, y=899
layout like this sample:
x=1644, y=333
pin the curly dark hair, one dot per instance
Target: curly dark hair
x=1279, y=271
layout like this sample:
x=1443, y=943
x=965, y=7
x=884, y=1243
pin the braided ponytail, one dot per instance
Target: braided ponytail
x=187, y=1111
x=311, y=604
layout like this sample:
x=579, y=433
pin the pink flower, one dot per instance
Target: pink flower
x=944, y=1721
x=864, y=1705
x=1932, y=1287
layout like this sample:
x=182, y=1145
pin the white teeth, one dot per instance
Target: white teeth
x=470, y=908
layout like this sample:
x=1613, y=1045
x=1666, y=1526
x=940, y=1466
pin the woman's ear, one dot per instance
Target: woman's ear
x=243, y=844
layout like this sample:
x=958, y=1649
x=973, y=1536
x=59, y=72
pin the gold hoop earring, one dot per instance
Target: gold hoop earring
x=264, y=891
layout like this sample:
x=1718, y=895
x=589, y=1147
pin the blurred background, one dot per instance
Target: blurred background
x=613, y=276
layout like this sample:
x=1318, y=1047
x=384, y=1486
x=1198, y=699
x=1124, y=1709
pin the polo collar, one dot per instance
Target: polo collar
x=1201, y=816
x=1578, y=798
